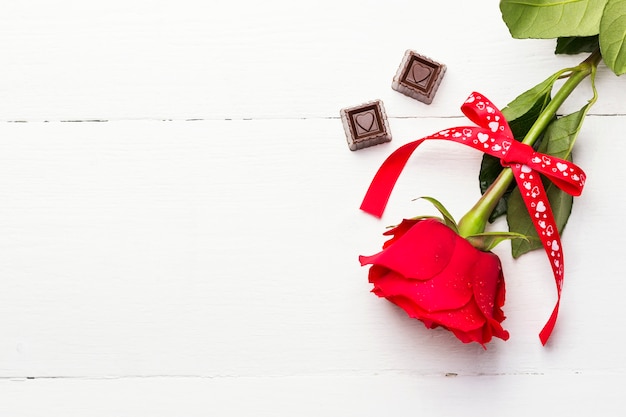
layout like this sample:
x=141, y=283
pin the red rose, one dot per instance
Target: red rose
x=438, y=277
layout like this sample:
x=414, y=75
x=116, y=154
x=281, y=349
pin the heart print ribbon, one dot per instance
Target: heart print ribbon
x=493, y=136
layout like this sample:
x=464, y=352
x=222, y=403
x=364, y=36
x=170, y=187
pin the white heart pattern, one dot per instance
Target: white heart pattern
x=541, y=207
x=535, y=192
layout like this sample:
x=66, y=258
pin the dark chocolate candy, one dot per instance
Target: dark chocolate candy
x=365, y=125
x=418, y=77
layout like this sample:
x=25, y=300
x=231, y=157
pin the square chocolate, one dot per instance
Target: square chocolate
x=418, y=77
x=365, y=125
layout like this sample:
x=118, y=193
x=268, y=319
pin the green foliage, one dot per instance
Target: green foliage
x=574, y=23
x=561, y=134
x=613, y=36
x=447, y=217
x=489, y=240
x=548, y=19
x=579, y=26
x=573, y=45
x=523, y=104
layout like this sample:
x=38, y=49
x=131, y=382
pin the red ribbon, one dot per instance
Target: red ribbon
x=494, y=137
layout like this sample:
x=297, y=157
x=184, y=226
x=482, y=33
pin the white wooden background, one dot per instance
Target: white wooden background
x=179, y=223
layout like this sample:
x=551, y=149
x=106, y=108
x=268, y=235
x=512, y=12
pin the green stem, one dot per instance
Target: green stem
x=476, y=219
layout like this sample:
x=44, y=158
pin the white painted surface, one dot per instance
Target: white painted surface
x=155, y=264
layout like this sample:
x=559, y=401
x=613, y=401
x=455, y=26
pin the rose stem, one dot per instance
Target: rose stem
x=475, y=220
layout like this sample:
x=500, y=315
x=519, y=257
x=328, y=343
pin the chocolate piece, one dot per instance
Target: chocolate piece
x=365, y=125
x=418, y=77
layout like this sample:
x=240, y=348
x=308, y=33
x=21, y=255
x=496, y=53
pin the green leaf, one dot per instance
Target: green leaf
x=547, y=19
x=561, y=134
x=613, y=36
x=539, y=95
x=489, y=240
x=521, y=114
x=447, y=217
x=576, y=44
x=559, y=140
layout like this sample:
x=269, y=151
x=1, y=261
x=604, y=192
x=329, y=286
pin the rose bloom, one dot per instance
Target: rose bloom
x=438, y=277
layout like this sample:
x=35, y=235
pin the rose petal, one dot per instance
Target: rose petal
x=495, y=329
x=487, y=281
x=430, y=298
x=398, y=231
x=416, y=256
x=466, y=319
x=498, y=314
x=467, y=324
x=437, y=277
x=452, y=288
x=384, y=280
x=445, y=291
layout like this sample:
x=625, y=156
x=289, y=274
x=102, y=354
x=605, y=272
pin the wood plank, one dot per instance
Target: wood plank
x=146, y=59
x=510, y=395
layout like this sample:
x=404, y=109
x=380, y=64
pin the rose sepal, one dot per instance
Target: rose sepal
x=489, y=240
x=448, y=220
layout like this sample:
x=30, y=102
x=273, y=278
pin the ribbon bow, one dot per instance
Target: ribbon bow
x=494, y=137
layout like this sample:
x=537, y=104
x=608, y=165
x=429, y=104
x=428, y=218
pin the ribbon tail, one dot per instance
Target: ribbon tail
x=545, y=333
x=536, y=201
x=380, y=188
x=384, y=180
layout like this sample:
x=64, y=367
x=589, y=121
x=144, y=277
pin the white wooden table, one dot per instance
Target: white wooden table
x=179, y=223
